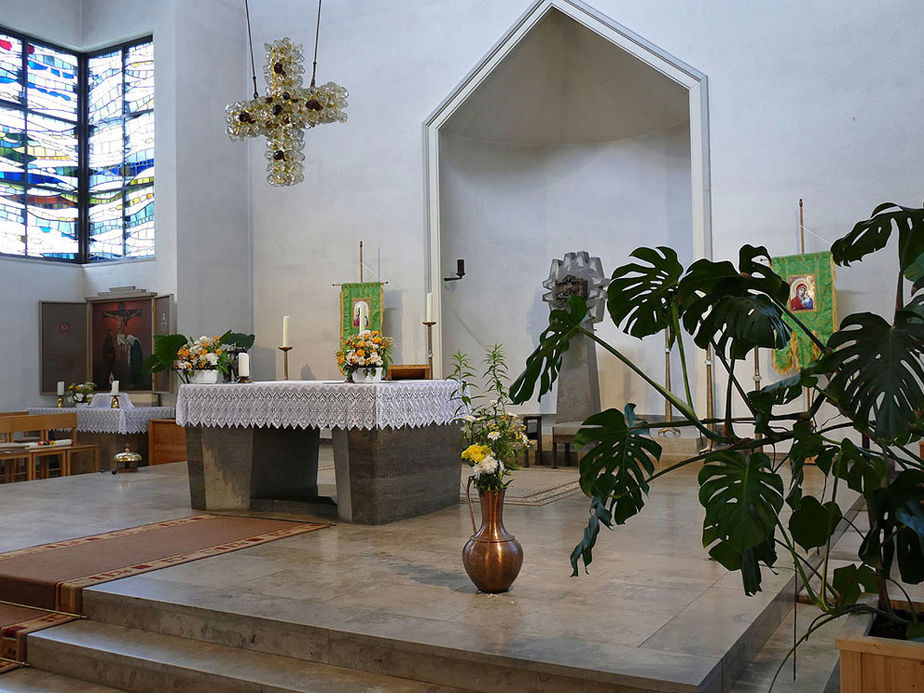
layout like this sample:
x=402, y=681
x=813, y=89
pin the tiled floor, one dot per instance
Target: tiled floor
x=652, y=601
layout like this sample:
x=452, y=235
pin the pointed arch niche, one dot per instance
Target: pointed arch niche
x=571, y=134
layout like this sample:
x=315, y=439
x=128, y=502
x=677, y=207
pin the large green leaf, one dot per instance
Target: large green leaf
x=164, y=353
x=863, y=471
x=777, y=394
x=617, y=461
x=813, y=523
x=876, y=372
x=239, y=339
x=643, y=295
x=736, y=309
x=873, y=234
x=897, y=529
x=851, y=581
x=543, y=364
x=742, y=497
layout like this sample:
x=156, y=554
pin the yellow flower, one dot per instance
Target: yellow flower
x=475, y=453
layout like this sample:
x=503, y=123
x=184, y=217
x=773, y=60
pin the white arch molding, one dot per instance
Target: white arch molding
x=694, y=81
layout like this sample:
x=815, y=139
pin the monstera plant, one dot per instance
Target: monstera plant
x=867, y=380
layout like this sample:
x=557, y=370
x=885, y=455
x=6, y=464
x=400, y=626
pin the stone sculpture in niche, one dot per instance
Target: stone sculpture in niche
x=579, y=383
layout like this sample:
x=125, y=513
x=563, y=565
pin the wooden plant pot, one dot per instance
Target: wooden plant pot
x=883, y=665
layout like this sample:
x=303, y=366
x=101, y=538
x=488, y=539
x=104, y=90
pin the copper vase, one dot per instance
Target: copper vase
x=492, y=557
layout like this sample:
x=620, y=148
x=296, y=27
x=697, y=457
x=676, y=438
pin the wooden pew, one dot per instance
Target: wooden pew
x=13, y=459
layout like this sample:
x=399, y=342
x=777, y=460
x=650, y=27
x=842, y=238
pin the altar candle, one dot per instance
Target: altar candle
x=115, y=387
x=285, y=330
x=60, y=387
x=243, y=365
x=429, y=306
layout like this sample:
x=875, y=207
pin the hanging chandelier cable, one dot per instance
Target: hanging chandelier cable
x=317, y=36
x=253, y=66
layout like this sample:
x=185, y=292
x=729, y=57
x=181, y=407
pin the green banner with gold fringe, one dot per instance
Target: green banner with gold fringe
x=360, y=306
x=812, y=299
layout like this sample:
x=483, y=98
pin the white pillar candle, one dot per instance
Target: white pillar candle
x=115, y=387
x=285, y=330
x=60, y=387
x=429, y=307
x=243, y=365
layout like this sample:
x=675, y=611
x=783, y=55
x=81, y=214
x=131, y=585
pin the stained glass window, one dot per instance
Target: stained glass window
x=55, y=107
x=121, y=152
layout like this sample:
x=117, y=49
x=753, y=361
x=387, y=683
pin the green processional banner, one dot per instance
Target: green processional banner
x=812, y=299
x=360, y=305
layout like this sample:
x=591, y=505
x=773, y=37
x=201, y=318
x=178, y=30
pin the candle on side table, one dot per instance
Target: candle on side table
x=243, y=365
x=60, y=388
x=115, y=387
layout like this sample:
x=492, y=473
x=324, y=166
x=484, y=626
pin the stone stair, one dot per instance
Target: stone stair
x=133, y=660
x=34, y=681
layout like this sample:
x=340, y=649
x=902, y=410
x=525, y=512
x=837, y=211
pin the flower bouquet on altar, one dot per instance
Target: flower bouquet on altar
x=203, y=360
x=364, y=356
x=80, y=392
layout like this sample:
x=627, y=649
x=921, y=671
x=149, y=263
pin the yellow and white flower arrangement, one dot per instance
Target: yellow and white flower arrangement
x=203, y=354
x=80, y=392
x=365, y=351
x=494, y=437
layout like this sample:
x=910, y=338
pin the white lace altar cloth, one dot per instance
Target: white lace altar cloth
x=319, y=404
x=98, y=420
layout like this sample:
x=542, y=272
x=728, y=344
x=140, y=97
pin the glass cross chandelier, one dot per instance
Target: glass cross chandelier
x=287, y=109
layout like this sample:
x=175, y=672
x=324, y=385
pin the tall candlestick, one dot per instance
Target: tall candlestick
x=115, y=387
x=60, y=388
x=285, y=330
x=429, y=307
x=285, y=361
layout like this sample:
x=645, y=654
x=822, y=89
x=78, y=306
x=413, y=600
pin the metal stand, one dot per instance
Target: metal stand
x=243, y=380
x=668, y=409
x=285, y=361
x=60, y=401
x=114, y=404
x=430, y=325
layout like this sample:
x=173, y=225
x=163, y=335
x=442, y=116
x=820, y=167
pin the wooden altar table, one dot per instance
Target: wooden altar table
x=396, y=450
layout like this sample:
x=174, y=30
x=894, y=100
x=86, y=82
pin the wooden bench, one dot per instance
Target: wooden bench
x=14, y=453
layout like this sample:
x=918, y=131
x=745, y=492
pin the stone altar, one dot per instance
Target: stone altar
x=255, y=446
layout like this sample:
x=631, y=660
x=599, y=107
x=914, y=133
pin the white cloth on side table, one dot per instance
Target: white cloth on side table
x=99, y=420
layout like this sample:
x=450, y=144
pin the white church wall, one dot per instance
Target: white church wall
x=814, y=101
x=23, y=283
x=508, y=210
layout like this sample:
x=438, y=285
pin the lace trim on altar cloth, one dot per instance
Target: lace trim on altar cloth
x=319, y=404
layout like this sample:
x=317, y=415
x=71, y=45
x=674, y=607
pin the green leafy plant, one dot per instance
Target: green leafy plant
x=494, y=438
x=870, y=372
x=167, y=348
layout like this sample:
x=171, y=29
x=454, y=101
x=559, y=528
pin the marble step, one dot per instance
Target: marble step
x=407, y=647
x=29, y=680
x=133, y=660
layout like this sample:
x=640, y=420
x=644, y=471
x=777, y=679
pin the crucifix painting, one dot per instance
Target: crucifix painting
x=121, y=341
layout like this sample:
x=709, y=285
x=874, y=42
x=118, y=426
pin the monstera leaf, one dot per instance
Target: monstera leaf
x=897, y=529
x=872, y=234
x=863, y=471
x=238, y=339
x=736, y=309
x=742, y=497
x=876, y=371
x=813, y=522
x=164, y=354
x=543, y=364
x=642, y=295
x=777, y=394
x=617, y=461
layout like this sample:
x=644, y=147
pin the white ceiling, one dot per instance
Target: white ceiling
x=565, y=84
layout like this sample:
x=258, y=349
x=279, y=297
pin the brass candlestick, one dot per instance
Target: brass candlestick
x=285, y=361
x=243, y=380
x=60, y=401
x=114, y=404
x=430, y=324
